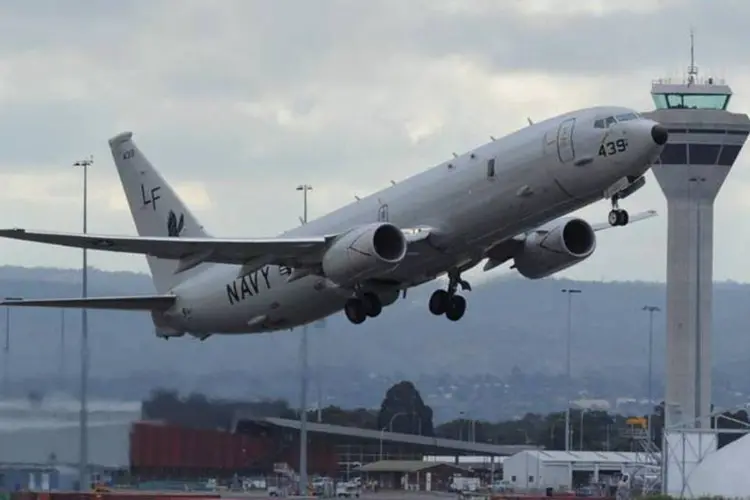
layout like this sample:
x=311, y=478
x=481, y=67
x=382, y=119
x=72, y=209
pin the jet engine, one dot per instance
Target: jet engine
x=552, y=249
x=364, y=252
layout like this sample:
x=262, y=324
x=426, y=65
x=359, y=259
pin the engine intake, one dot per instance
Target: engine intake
x=364, y=252
x=552, y=249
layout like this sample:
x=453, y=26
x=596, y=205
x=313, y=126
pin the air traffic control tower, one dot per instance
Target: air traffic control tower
x=704, y=142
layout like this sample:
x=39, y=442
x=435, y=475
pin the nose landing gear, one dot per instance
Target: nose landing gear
x=447, y=302
x=617, y=216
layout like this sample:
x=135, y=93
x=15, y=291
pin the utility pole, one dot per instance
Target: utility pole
x=651, y=310
x=304, y=376
x=63, y=383
x=569, y=292
x=83, y=418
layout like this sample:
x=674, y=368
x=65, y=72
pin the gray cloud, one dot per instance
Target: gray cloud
x=249, y=98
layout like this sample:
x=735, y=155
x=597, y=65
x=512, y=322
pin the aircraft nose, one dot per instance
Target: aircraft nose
x=659, y=134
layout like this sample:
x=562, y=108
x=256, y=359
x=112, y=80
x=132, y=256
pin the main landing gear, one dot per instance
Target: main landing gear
x=358, y=309
x=447, y=302
x=617, y=216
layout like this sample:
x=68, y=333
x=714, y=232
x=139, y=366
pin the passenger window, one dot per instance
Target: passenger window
x=611, y=121
x=599, y=124
x=490, y=168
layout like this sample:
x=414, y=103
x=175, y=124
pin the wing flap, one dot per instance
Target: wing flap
x=189, y=250
x=124, y=303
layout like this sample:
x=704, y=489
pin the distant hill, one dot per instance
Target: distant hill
x=510, y=322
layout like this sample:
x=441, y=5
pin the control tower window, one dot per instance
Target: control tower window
x=691, y=101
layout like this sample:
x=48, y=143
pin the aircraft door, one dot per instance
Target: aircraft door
x=565, y=148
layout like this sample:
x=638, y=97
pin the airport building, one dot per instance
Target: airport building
x=566, y=470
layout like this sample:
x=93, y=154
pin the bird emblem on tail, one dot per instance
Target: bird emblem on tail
x=175, y=226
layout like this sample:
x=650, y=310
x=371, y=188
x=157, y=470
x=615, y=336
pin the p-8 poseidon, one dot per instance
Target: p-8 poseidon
x=503, y=201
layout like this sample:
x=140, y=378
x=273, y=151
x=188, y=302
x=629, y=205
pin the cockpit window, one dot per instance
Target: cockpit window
x=610, y=121
x=599, y=124
x=627, y=116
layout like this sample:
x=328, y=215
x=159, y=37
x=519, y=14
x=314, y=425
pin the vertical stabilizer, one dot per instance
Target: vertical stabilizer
x=156, y=208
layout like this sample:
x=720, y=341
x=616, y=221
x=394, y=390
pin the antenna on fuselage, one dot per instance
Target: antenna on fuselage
x=528, y=119
x=493, y=138
x=393, y=183
x=455, y=155
x=356, y=197
x=692, y=69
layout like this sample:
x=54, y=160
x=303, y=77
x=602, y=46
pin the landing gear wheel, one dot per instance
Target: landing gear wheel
x=355, y=311
x=618, y=217
x=372, y=304
x=439, y=302
x=456, y=308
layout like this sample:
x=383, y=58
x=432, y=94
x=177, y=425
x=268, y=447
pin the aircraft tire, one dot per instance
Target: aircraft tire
x=624, y=217
x=439, y=302
x=372, y=304
x=618, y=217
x=456, y=308
x=355, y=311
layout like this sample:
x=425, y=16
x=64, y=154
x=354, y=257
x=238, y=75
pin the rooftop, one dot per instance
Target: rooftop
x=406, y=466
x=395, y=437
x=600, y=457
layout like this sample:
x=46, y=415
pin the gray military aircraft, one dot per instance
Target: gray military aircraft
x=505, y=200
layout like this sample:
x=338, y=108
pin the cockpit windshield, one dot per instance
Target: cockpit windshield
x=611, y=120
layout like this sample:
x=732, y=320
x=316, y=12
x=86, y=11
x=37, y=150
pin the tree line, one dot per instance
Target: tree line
x=403, y=410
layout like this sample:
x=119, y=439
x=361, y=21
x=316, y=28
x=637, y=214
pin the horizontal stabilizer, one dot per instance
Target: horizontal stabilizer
x=125, y=303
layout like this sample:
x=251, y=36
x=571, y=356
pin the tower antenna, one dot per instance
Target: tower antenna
x=692, y=69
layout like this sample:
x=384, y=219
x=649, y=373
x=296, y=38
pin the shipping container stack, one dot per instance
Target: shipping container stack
x=160, y=451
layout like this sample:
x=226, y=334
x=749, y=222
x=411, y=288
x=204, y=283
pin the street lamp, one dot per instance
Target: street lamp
x=304, y=375
x=569, y=292
x=6, y=350
x=580, y=438
x=651, y=310
x=390, y=429
x=83, y=418
x=62, y=351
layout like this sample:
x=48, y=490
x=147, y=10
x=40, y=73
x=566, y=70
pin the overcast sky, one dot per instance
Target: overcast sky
x=237, y=102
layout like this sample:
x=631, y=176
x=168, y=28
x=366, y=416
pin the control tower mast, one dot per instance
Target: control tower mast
x=704, y=141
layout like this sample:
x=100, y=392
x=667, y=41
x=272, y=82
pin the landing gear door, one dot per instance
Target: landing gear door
x=565, y=148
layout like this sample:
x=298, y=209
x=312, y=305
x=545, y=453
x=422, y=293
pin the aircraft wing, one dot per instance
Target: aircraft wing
x=219, y=250
x=132, y=303
x=252, y=253
x=507, y=249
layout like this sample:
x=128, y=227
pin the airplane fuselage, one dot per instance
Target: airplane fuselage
x=470, y=202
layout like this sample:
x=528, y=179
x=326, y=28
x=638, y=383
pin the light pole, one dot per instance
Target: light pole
x=83, y=418
x=304, y=376
x=6, y=350
x=62, y=351
x=569, y=292
x=580, y=438
x=390, y=429
x=651, y=310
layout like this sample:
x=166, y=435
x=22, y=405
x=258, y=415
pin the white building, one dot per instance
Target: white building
x=540, y=469
x=47, y=432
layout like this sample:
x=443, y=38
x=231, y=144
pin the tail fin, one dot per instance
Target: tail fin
x=156, y=208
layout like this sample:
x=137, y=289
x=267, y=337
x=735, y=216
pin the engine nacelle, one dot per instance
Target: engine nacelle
x=549, y=250
x=364, y=252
